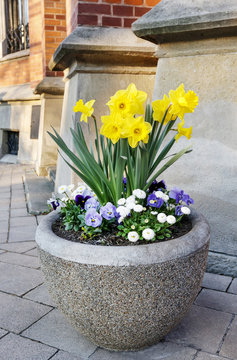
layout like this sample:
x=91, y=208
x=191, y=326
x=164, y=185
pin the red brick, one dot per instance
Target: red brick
x=152, y=2
x=133, y=2
x=90, y=0
x=87, y=20
x=61, y=28
x=139, y=11
x=121, y=10
x=62, y=17
x=49, y=27
x=128, y=22
x=113, y=1
x=111, y=21
x=49, y=16
x=94, y=9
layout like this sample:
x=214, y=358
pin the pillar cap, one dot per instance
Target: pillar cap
x=183, y=20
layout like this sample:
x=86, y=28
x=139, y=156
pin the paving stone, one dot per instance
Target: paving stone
x=54, y=330
x=4, y=189
x=17, y=314
x=5, y=195
x=18, y=280
x=3, y=226
x=62, y=355
x=217, y=300
x=229, y=347
x=19, y=348
x=2, y=333
x=18, y=204
x=4, y=215
x=20, y=247
x=20, y=259
x=21, y=233
x=201, y=328
x=233, y=287
x=2, y=251
x=40, y=294
x=33, y=252
x=19, y=212
x=163, y=350
x=205, y=356
x=3, y=237
x=23, y=221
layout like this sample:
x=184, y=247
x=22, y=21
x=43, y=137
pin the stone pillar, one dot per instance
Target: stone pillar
x=51, y=91
x=97, y=62
x=197, y=46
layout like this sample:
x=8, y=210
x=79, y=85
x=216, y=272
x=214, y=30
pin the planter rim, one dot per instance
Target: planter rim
x=146, y=254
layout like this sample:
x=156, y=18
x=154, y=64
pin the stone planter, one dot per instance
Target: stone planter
x=124, y=297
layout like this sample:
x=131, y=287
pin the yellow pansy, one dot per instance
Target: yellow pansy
x=160, y=107
x=129, y=101
x=183, y=131
x=112, y=127
x=182, y=102
x=137, y=130
x=86, y=109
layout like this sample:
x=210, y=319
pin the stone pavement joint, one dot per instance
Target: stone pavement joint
x=31, y=327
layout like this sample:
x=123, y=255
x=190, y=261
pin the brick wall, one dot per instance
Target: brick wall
x=118, y=13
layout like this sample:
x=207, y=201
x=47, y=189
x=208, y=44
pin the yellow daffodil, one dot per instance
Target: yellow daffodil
x=182, y=102
x=160, y=107
x=183, y=131
x=86, y=109
x=137, y=130
x=127, y=102
x=112, y=127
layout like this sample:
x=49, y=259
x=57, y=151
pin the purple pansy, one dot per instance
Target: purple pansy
x=157, y=185
x=81, y=200
x=153, y=201
x=54, y=204
x=178, y=211
x=93, y=218
x=179, y=195
x=108, y=211
x=91, y=203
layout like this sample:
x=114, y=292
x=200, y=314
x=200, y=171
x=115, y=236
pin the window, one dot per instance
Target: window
x=17, y=25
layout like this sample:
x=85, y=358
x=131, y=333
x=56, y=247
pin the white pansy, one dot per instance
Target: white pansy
x=62, y=189
x=71, y=186
x=121, y=201
x=123, y=211
x=146, y=221
x=130, y=205
x=161, y=218
x=133, y=227
x=64, y=199
x=80, y=189
x=185, y=210
x=138, y=208
x=121, y=219
x=148, y=234
x=159, y=194
x=140, y=194
x=154, y=212
x=171, y=219
x=165, y=197
x=133, y=236
x=131, y=198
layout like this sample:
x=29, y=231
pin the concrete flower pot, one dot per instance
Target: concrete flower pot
x=124, y=297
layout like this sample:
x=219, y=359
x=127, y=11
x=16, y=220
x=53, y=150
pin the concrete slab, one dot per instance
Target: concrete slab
x=18, y=314
x=41, y=295
x=8, y=158
x=163, y=350
x=19, y=247
x=217, y=300
x=233, y=287
x=205, y=356
x=3, y=237
x=20, y=259
x=19, y=348
x=19, y=233
x=55, y=331
x=23, y=221
x=19, y=212
x=18, y=280
x=38, y=190
x=62, y=355
x=4, y=215
x=18, y=204
x=229, y=347
x=2, y=333
x=33, y=252
x=3, y=226
x=201, y=328
x=216, y=282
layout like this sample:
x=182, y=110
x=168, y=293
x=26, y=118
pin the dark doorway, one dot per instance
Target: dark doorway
x=13, y=142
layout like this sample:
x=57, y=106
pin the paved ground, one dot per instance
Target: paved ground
x=32, y=329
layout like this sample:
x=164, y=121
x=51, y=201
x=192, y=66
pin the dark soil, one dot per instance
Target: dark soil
x=111, y=239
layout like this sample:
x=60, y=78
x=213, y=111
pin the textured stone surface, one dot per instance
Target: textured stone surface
x=202, y=328
x=23, y=349
x=116, y=307
x=167, y=351
x=216, y=282
x=187, y=20
x=218, y=300
x=221, y=263
x=40, y=294
x=229, y=347
x=54, y=330
x=12, y=309
x=233, y=287
x=22, y=279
